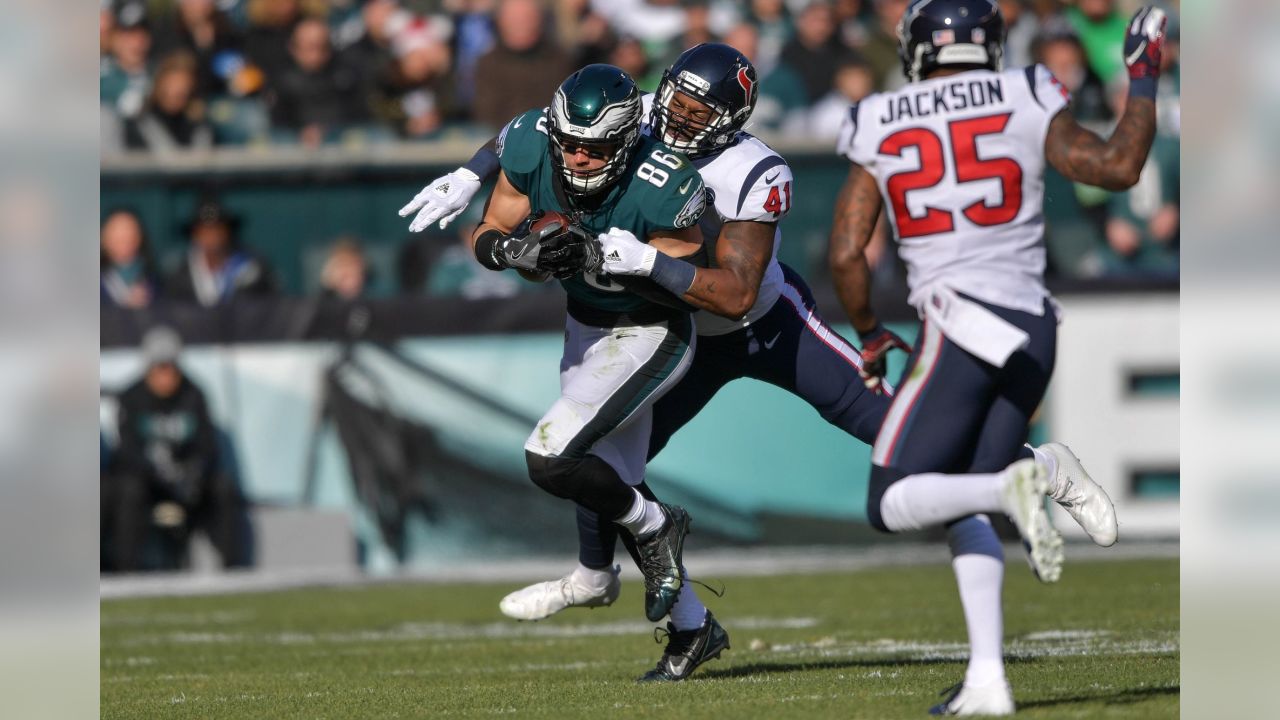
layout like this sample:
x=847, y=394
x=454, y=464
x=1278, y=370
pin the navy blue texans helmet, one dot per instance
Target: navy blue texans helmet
x=717, y=76
x=939, y=33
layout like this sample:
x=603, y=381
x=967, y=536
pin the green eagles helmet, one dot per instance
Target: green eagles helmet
x=597, y=108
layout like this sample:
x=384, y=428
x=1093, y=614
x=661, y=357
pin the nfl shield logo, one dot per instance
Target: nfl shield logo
x=978, y=35
x=943, y=37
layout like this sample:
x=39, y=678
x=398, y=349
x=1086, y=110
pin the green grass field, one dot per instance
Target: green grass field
x=872, y=644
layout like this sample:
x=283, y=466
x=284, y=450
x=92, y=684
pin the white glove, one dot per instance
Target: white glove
x=625, y=255
x=443, y=199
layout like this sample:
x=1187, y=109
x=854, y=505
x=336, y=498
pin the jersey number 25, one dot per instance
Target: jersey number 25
x=968, y=168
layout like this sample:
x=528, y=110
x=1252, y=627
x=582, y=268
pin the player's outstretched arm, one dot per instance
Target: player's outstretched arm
x=444, y=198
x=1116, y=163
x=857, y=207
x=742, y=255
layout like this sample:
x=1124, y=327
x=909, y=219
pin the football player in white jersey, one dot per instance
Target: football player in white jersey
x=958, y=157
x=757, y=317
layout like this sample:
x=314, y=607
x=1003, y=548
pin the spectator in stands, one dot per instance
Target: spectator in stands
x=125, y=76
x=314, y=96
x=1064, y=56
x=524, y=68
x=413, y=94
x=816, y=50
x=773, y=31
x=166, y=471
x=854, y=80
x=127, y=277
x=474, y=35
x=200, y=28
x=346, y=272
x=267, y=42
x=173, y=118
x=881, y=45
x=217, y=268
x=1021, y=28
x=1101, y=29
x=583, y=33
x=629, y=55
x=370, y=56
x=781, y=100
x=853, y=28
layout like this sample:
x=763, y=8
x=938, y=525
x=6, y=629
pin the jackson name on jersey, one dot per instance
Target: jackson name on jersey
x=960, y=162
x=660, y=190
x=745, y=181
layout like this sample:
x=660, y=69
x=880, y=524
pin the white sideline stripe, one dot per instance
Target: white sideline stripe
x=710, y=564
x=907, y=395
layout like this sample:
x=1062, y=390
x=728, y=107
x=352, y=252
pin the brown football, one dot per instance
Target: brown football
x=551, y=216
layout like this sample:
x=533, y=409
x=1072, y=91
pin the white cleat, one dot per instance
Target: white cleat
x=994, y=698
x=1081, y=497
x=544, y=599
x=1026, y=485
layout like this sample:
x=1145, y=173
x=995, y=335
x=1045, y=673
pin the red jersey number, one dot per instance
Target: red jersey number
x=778, y=203
x=968, y=167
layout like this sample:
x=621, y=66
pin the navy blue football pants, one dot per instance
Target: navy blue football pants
x=790, y=347
x=955, y=413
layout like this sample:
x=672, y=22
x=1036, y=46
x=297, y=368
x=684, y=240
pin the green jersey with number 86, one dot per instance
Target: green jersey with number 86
x=659, y=190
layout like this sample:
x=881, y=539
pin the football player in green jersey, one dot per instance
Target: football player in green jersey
x=584, y=157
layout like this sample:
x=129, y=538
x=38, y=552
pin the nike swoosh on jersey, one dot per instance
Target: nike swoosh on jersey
x=769, y=345
x=685, y=187
x=771, y=179
x=519, y=120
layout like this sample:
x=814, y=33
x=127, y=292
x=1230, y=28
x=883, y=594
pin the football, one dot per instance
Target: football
x=546, y=220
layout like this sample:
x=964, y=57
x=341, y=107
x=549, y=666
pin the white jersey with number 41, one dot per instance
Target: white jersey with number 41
x=960, y=163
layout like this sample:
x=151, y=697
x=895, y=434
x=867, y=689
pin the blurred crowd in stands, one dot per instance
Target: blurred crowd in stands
x=192, y=74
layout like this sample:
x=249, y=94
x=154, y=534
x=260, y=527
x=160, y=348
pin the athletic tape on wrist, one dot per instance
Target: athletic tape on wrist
x=675, y=276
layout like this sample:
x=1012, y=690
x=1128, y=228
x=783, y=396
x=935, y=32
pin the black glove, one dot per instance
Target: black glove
x=570, y=253
x=522, y=248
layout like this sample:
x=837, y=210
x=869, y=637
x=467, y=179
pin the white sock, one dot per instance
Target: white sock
x=980, y=578
x=920, y=501
x=688, y=613
x=592, y=578
x=644, y=518
x=1051, y=469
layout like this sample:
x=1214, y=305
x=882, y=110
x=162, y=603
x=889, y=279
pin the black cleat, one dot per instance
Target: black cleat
x=660, y=556
x=687, y=650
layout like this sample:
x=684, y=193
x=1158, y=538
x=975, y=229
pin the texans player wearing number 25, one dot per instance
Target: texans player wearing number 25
x=957, y=158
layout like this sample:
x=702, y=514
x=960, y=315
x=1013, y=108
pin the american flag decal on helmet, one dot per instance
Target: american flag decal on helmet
x=746, y=82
